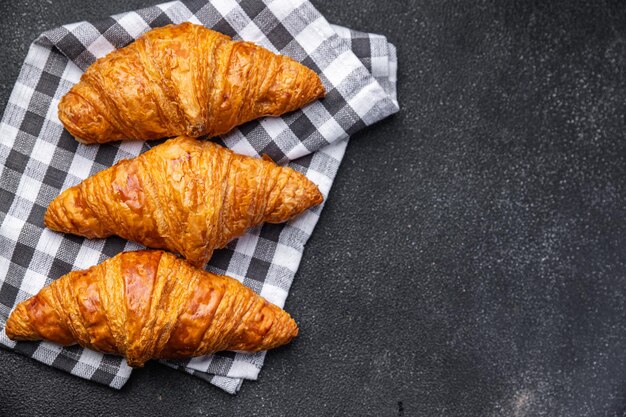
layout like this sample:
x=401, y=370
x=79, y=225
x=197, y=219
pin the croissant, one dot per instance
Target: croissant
x=151, y=305
x=183, y=80
x=185, y=195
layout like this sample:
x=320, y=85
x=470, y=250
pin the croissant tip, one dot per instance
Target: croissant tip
x=82, y=120
x=17, y=326
x=316, y=196
x=319, y=198
x=64, y=116
x=49, y=217
x=9, y=330
x=321, y=91
x=288, y=330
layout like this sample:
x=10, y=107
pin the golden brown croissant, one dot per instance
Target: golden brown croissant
x=183, y=80
x=185, y=195
x=150, y=304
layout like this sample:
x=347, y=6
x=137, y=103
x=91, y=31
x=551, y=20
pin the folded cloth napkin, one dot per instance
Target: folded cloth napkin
x=39, y=159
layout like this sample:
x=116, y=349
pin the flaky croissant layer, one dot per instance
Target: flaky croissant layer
x=148, y=305
x=185, y=195
x=183, y=80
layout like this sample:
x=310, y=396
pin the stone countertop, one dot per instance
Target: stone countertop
x=470, y=259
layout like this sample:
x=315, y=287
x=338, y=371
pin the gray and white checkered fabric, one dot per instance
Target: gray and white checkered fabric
x=39, y=159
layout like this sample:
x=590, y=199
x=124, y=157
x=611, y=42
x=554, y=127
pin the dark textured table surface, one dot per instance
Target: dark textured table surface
x=471, y=259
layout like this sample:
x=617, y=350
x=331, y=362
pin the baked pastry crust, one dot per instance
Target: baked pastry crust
x=150, y=304
x=185, y=195
x=183, y=80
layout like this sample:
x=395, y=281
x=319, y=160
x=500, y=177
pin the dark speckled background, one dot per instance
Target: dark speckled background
x=471, y=259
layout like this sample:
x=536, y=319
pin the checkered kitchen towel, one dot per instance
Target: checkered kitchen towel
x=38, y=159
